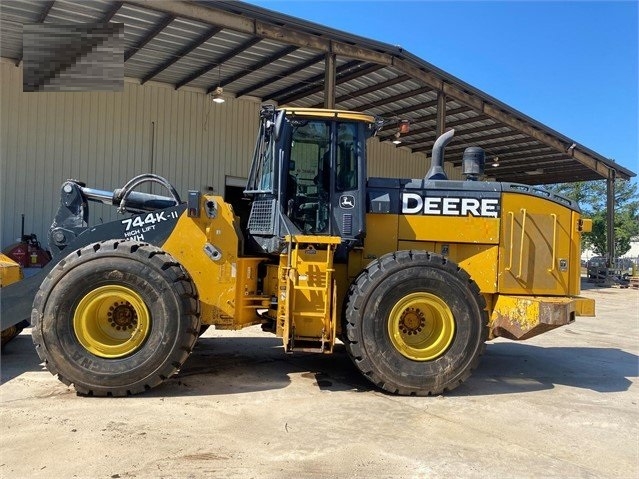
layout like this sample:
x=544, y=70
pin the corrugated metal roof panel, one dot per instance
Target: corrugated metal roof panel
x=64, y=11
x=14, y=14
x=155, y=32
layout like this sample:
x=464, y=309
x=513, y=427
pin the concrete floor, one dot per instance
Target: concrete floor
x=563, y=404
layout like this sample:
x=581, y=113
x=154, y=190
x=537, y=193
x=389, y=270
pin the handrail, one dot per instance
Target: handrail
x=512, y=232
x=521, y=242
x=554, y=241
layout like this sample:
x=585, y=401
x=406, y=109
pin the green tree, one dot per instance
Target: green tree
x=591, y=196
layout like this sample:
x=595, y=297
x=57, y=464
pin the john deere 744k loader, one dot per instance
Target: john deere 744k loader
x=413, y=275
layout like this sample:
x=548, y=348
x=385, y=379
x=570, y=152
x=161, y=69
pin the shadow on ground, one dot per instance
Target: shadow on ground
x=234, y=365
x=18, y=356
x=508, y=368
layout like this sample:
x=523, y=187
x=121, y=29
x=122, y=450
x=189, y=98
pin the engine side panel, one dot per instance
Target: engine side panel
x=535, y=254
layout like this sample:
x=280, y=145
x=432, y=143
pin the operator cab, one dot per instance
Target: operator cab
x=308, y=176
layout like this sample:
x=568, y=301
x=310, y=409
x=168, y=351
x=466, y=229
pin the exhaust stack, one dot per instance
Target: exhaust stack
x=436, y=171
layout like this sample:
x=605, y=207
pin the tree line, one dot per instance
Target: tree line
x=591, y=197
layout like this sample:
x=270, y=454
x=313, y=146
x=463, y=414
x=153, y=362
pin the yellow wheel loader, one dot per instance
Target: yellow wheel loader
x=412, y=275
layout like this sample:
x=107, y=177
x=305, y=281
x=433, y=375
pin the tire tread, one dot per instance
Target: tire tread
x=175, y=274
x=356, y=298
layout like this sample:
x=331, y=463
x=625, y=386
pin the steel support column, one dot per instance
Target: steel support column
x=610, y=216
x=441, y=113
x=329, y=80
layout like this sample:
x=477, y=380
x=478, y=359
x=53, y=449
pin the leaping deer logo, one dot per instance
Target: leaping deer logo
x=347, y=201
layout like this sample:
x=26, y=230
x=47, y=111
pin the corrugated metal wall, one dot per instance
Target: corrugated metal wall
x=387, y=161
x=106, y=138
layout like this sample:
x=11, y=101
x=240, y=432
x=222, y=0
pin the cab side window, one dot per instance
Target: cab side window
x=346, y=157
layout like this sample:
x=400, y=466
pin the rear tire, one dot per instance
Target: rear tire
x=115, y=318
x=415, y=323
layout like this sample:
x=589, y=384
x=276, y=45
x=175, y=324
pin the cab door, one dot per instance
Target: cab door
x=348, y=178
x=324, y=175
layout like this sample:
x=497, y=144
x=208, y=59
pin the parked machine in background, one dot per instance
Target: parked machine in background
x=597, y=268
x=27, y=252
x=10, y=272
x=413, y=275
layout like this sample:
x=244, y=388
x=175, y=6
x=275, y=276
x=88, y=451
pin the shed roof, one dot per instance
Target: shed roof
x=249, y=50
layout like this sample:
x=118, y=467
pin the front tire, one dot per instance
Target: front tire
x=115, y=318
x=415, y=323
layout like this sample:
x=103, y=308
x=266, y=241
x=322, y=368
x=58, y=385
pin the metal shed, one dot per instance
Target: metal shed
x=251, y=52
x=248, y=50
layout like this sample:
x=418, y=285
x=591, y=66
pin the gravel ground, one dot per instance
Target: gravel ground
x=561, y=405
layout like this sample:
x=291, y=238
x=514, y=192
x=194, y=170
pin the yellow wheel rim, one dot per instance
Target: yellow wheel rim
x=421, y=326
x=111, y=321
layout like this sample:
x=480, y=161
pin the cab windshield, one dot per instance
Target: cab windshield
x=262, y=175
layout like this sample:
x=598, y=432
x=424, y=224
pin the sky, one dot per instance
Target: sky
x=571, y=65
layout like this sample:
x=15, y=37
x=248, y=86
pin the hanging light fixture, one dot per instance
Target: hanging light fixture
x=217, y=93
x=495, y=162
x=396, y=140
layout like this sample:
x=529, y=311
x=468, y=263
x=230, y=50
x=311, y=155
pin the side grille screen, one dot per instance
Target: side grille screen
x=262, y=217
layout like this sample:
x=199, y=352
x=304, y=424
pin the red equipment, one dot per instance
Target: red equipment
x=28, y=253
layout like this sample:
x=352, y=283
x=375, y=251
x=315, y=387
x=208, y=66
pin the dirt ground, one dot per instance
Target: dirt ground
x=561, y=405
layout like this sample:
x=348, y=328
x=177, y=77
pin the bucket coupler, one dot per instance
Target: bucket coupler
x=72, y=217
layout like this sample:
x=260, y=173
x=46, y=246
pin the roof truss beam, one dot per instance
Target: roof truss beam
x=482, y=128
x=46, y=8
x=218, y=62
x=312, y=83
x=416, y=107
x=343, y=75
x=527, y=153
x=514, y=167
x=527, y=150
x=427, y=146
x=154, y=32
x=462, y=136
x=253, y=68
x=367, y=90
x=528, y=157
x=111, y=12
x=425, y=119
x=345, y=78
x=394, y=98
x=206, y=36
x=489, y=148
x=253, y=26
x=545, y=138
x=286, y=73
x=414, y=121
